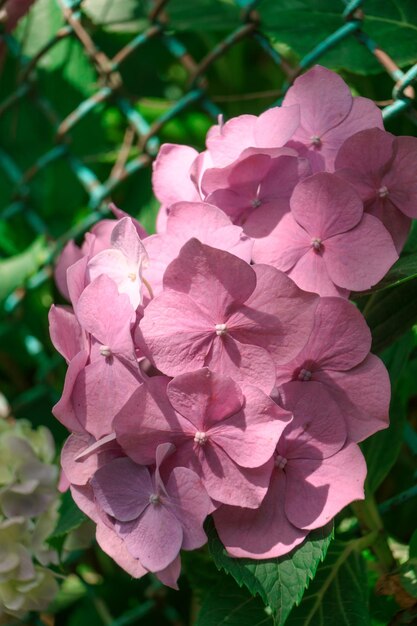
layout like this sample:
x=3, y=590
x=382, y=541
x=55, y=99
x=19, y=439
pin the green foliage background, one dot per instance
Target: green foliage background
x=369, y=575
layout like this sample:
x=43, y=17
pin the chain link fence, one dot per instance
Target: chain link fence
x=140, y=131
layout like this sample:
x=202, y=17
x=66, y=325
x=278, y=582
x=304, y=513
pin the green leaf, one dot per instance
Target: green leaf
x=381, y=450
x=70, y=517
x=280, y=582
x=413, y=546
x=15, y=270
x=228, y=604
x=390, y=313
x=338, y=595
x=392, y=23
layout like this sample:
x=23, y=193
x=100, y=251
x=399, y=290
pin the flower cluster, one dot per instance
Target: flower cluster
x=28, y=514
x=217, y=367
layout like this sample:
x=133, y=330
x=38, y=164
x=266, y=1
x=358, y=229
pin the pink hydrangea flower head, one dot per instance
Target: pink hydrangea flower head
x=219, y=312
x=327, y=244
x=315, y=475
x=222, y=434
x=328, y=115
x=337, y=357
x=186, y=220
x=383, y=170
x=154, y=519
x=255, y=190
x=272, y=129
x=123, y=262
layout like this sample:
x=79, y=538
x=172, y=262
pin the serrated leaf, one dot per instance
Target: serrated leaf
x=15, y=270
x=70, y=517
x=338, y=595
x=228, y=604
x=280, y=582
x=392, y=22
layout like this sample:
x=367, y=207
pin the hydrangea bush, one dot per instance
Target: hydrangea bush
x=217, y=368
x=28, y=515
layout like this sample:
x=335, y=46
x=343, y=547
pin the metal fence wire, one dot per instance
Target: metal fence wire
x=111, y=88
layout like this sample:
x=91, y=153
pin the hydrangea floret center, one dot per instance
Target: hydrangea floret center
x=201, y=438
x=221, y=329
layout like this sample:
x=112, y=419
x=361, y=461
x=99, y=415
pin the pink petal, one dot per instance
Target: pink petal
x=64, y=409
x=278, y=316
x=122, y=489
x=70, y=254
x=325, y=205
x=107, y=315
x=250, y=436
x=363, y=395
x=125, y=238
x=318, y=429
x=402, y=178
x=65, y=332
x=311, y=274
x=78, y=472
x=276, y=126
x=112, y=545
x=190, y=504
x=230, y=139
x=175, y=333
x=169, y=575
x=228, y=483
x=100, y=391
x=360, y=258
x=363, y=114
x=367, y=153
x=284, y=246
x=324, y=99
x=171, y=174
x=155, y=538
x=243, y=362
x=262, y=533
x=340, y=338
x=119, y=214
x=204, y=397
x=146, y=420
x=77, y=280
x=243, y=175
x=215, y=279
x=397, y=224
x=318, y=490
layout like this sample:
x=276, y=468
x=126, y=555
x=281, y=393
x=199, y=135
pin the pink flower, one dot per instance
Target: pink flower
x=219, y=312
x=192, y=219
x=326, y=244
x=255, y=190
x=123, y=262
x=155, y=519
x=383, y=170
x=337, y=357
x=272, y=129
x=315, y=475
x=94, y=391
x=328, y=115
x=80, y=467
x=222, y=434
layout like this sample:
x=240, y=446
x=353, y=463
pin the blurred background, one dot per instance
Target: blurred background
x=88, y=92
